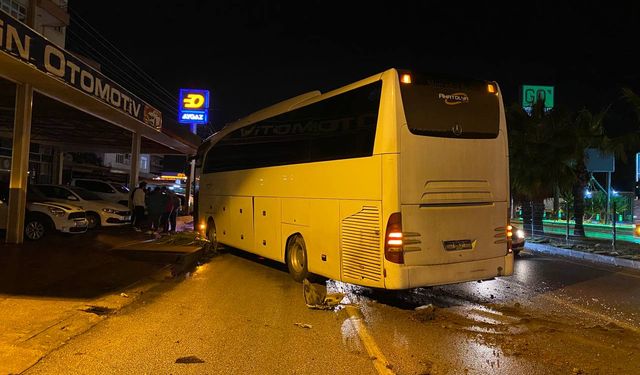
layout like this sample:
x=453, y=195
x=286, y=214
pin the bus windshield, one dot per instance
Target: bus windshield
x=454, y=110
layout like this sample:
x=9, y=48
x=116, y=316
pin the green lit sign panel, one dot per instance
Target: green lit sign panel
x=530, y=94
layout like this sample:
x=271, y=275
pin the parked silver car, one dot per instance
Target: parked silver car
x=43, y=215
x=99, y=212
x=109, y=191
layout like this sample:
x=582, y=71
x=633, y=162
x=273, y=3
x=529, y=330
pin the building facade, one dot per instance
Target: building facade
x=52, y=17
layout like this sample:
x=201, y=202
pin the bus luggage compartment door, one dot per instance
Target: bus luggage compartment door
x=240, y=223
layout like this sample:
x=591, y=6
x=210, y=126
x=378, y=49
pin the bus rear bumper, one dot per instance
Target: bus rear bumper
x=440, y=274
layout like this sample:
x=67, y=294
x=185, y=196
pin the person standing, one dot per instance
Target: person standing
x=168, y=209
x=157, y=205
x=138, y=204
x=177, y=204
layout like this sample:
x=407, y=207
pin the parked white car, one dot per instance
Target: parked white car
x=99, y=212
x=109, y=191
x=43, y=216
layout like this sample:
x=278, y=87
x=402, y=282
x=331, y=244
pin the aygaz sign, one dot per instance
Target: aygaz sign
x=193, y=106
x=21, y=42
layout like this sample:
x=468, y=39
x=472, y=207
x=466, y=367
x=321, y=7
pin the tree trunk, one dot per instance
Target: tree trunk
x=582, y=179
x=556, y=203
x=526, y=217
x=537, y=215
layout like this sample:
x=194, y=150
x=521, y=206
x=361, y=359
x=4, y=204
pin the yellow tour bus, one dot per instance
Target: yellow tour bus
x=397, y=181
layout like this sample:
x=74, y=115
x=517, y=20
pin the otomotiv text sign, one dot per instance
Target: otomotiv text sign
x=23, y=43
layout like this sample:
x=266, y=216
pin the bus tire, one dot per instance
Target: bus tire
x=212, y=235
x=297, y=258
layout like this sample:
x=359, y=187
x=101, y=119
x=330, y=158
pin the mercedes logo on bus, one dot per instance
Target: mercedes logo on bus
x=456, y=130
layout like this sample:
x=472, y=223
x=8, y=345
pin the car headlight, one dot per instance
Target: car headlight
x=109, y=210
x=520, y=233
x=56, y=211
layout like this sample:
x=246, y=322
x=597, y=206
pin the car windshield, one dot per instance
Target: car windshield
x=121, y=188
x=34, y=195
x=86, y=194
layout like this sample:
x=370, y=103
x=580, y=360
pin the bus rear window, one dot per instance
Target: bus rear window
x=451, y=109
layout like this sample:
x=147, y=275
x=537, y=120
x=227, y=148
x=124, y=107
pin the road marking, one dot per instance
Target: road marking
x=579, y=308
x=379, y=360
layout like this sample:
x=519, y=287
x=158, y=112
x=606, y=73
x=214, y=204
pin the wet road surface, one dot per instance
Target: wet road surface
x=239, y=314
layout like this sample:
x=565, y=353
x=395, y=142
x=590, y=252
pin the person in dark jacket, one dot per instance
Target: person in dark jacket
x=156, y=207
x=168, y=209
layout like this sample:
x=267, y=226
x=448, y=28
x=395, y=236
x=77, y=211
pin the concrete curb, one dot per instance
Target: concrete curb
x=597, y=258
x=188, y=261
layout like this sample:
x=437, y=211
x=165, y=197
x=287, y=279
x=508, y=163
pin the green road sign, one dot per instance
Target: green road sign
x=531, y=93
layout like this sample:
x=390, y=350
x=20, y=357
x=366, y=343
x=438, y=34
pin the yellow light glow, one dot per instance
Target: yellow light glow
x=394, y=242
x=492, y=88
x=509, y=234
x=395, y=235
x=202, y=226
x=173, y=178
x=509, y=227
x=406, y=78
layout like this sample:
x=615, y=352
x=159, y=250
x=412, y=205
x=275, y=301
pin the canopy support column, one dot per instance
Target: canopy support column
x=135, y=160
x=19, y=164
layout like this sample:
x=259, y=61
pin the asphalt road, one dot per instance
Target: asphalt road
x=240, y=314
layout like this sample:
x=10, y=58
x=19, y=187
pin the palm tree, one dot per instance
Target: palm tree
x=633, y=99
x=538, y=159
x=590, y=133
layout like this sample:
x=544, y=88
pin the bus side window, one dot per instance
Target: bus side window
x=340, y=127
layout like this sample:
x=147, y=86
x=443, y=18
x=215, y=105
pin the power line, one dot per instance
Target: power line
x=115, y=66
x=114, y=48
x=119, y=55
x=131, y=80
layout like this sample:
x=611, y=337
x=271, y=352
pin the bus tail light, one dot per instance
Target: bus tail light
x=636, y=230
x=405, y=78
x=492, y=89
x=393, y=244
x=509, y=239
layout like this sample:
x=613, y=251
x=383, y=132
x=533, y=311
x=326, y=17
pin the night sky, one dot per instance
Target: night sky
x=253, y=55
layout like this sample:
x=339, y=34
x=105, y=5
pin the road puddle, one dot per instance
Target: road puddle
x=483, y=335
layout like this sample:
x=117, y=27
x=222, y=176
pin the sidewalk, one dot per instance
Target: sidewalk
x=55, y=289
x=625, y=254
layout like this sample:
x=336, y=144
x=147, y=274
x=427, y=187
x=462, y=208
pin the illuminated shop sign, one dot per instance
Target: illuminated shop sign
x=193, y=106
x=23, y=43
x=531, y=94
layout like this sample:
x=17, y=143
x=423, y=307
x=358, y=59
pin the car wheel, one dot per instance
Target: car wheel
x=34, y=229
x=297, y=258
x=93, y=220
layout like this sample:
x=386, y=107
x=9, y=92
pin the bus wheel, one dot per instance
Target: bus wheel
x=297, y=258
x=212, y=235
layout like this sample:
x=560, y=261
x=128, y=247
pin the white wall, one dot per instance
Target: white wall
x=123, y=162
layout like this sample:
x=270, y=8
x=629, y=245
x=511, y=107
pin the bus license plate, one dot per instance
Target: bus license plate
x=458, y=245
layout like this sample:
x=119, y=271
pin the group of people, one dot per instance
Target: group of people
x=154, y=209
